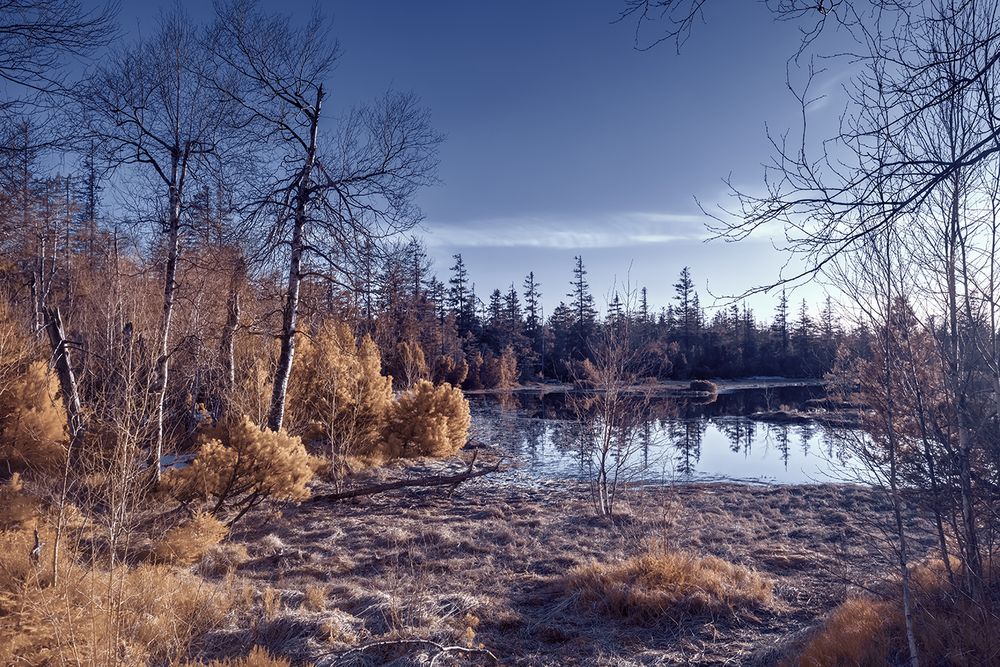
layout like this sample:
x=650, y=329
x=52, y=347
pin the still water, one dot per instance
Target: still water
x=678, y=439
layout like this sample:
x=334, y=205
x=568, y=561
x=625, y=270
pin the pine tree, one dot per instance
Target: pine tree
x=512, y=310
x=781, y=321
x=461, y=297
x=532, y=299
x=687, y=300
x=494, y=314
x=583, y=306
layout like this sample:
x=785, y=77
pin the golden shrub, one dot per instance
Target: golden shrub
x=32, y=420
x=446, y=369
x=337, y=391
x=428, y=421
x=245, y=468
x=500, y=372
x=16, y=507
x=855, y=633
x=151, y=614
x=187, y=543
x=667, y=584
x=949, y=627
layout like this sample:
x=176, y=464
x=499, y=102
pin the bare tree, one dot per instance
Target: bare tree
x=615, y=407
x=153, y=109
x=333, y=196
x=37, y=37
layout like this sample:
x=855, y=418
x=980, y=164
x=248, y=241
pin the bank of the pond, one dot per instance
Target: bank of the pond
x=486, y=565
x=678, y=388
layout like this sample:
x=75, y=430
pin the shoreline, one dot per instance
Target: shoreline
x=679, y=388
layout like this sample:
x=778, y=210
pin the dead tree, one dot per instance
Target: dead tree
x=333, y=193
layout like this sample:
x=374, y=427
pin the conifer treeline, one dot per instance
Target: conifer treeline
x=469, y=338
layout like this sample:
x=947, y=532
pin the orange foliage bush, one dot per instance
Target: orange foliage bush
x=16, y=507
x=428, y=421
x=187, y=543
x=446, y=369
x=32, y=420
x=337, y=391
x=243, y=468
x=950, y=629
x=667, y=584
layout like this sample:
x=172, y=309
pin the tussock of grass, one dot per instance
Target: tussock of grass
x=950, y=629
x=668, y=584
x=855, y=633
x=258, y=657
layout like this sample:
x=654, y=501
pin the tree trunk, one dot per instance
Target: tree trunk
x=289, y=319
x=169, y=293
x=64, y=371
x=227, y=355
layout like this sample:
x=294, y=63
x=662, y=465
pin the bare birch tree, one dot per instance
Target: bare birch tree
x=153, y=110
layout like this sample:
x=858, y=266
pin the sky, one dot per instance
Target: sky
x=562, y=139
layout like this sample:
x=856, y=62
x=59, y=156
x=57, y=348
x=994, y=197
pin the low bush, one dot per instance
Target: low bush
x=428, y=421
x=16, y=507
x=245, y=467
x=667, y=585
x=32, y=421
x=337, y=393
x=704, y=386
x=187, y=543
x=950, y=629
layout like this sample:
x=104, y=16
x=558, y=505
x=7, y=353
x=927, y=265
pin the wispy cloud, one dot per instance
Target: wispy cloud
x=616, y=230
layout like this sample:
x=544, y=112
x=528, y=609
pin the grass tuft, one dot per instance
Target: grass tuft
x=668, y=584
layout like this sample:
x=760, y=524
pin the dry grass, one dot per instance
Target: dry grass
x=222, y=560
x=189, y=542
x=258, y=657
x=668, y=584
x=150, y=614
x=950, y=629
x=314, y=597
x=855, y=633
x=95, y=614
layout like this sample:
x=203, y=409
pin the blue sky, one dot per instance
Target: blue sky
x=562, y=139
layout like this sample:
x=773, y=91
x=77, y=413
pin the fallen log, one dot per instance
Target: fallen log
x=434, y=480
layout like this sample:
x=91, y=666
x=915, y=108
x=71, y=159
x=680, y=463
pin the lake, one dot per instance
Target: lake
x=679, y=439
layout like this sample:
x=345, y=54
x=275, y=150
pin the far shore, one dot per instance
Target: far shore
x=661, y=387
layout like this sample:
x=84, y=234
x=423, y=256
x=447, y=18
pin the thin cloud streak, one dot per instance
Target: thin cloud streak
x=611, y=231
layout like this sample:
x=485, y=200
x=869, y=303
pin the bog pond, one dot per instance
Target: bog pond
x=677, y=439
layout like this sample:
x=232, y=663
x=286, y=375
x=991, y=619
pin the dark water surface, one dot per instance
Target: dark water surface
x=679, y=439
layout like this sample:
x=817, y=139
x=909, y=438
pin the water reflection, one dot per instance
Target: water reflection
x=677, y=439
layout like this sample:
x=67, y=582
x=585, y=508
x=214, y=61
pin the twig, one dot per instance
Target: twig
x=441, y=649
